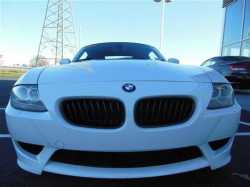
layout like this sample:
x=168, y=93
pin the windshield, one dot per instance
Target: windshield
x=118, y=50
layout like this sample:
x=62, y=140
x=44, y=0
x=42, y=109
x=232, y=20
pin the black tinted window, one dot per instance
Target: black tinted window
x=214, y=63
x=228, y=60
x=211, y=62
x=118, y=50
x=207, y=63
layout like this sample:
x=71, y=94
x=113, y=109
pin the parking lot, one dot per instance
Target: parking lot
x=230, y=175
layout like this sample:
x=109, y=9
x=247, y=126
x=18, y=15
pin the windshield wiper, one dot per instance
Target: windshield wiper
x=147, y=58
x=138, y=58
x=161, y=60
x=85, y=59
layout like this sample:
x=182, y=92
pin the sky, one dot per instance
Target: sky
x=192, y=29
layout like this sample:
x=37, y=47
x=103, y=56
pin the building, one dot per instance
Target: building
x=236, y=30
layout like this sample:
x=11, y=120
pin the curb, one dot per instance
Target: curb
x=2, y=77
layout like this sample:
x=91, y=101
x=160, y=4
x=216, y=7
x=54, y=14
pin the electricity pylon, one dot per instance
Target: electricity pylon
x=58, y=39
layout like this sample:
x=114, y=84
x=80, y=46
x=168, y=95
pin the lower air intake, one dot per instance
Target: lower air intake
x=125, y=159
x=31, y=148
x=215, y=145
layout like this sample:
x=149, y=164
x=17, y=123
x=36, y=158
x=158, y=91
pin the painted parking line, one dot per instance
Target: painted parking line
x=243, y=134
x=4, y=136
x=244, y=123
x=242, y=91
x=245, y=109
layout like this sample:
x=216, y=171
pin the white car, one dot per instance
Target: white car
x=120, y=110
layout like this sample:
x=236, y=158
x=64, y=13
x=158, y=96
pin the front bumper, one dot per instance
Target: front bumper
x=50, y=130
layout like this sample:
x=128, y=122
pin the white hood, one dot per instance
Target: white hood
x=122, y=70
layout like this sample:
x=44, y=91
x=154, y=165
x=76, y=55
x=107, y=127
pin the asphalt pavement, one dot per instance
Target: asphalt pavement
x=230, y=175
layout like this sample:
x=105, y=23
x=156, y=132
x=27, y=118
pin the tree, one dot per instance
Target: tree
x=37, y=62
x=1, y=60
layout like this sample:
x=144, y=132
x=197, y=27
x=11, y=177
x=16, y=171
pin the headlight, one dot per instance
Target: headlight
x=223, y=96
x=26, y=97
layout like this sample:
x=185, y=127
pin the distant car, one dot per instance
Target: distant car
x=120, y=110
x=236, y=69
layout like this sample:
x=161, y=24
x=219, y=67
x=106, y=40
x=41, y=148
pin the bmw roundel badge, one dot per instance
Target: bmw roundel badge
x=128, y=87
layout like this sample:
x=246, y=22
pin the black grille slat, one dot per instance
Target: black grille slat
x=95, y=113
x=147, y=111
x=170, y=111
x=163, y=111
x=99, y=111
x=176, y=108
x=126, y=159
x=74, y=109
x=111, y=108
x=69, y=111
x=185, y=113
x=180, y=114
x=86, y=109
x=79, y=106
x=153, y=111
x=159, y=110
x=118, y=108
x=141, y=105
x=106, y=113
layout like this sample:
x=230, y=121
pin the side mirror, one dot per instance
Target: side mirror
x=65, y=61
x=173, y=60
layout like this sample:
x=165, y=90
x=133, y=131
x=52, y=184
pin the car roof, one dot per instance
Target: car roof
x=118, y=43
x=237, y=58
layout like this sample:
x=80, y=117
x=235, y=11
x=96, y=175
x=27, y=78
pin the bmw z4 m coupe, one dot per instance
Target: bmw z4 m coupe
x=120, y=110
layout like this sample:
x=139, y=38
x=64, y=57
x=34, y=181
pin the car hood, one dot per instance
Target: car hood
x=122, y=70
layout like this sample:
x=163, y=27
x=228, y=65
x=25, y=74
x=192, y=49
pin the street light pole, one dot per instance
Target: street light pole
x=162, y=24
x=80, y=29
x=162, y=20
